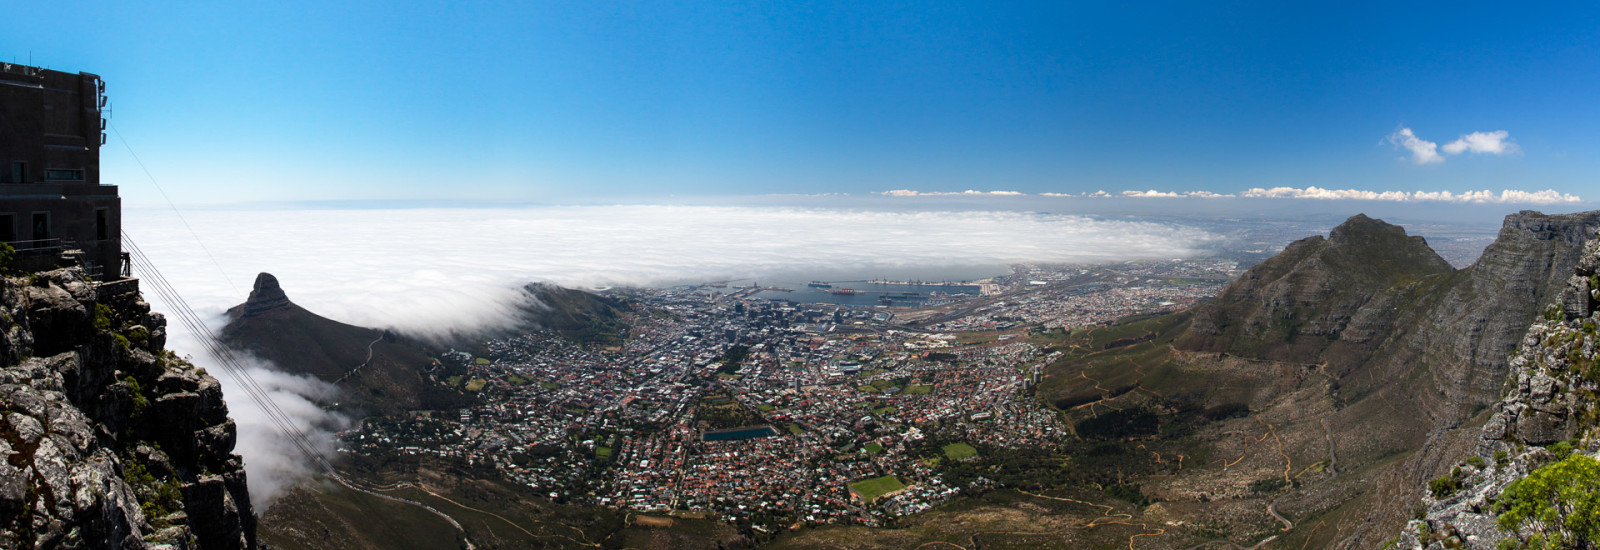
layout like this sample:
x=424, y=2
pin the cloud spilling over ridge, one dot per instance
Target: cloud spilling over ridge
x=425, y=270
x=1508, y=196
x=1423, y=151
x=271, y=460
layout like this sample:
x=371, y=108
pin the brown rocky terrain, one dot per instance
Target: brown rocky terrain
x=1365, y=364
x=108, y=439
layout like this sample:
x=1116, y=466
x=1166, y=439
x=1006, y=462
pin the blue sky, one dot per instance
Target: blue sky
x=553, y=102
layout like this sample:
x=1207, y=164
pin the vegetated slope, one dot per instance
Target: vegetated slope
x=1350, y=353
x=108, y=440
x=392, y=379
x=581, y=316
x=1552, y=404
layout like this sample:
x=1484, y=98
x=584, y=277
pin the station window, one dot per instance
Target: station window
x=8, y=227
x=63, y=175
x=102, y=230
x=19, y=172
x=41, y=226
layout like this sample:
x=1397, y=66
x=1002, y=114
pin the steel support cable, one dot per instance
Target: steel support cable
x=225, y=356
x=185, y=315
x=259, y=394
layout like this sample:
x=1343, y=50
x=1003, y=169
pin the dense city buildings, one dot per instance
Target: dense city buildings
x=772, y=413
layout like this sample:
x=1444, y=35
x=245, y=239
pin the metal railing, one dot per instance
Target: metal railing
x=40, y=246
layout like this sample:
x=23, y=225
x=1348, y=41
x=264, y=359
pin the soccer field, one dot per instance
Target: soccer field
x=871, y=489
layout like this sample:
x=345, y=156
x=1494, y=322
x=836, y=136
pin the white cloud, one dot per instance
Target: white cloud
x=1494, y=143
x=1422, y=151
x=1150, y=193
x=1508, y=196
x=1172, y=194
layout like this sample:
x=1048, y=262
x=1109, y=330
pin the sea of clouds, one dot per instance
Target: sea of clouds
x=424, y=271
x=448, y=271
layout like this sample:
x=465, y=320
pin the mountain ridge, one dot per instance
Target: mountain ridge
x=1362, y=347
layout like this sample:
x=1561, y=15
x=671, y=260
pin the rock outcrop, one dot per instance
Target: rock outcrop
x=265, y=296
x=108, y=440
x=1553, y=385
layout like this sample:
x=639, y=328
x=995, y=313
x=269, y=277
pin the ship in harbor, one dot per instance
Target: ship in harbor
x=819, y=284
x=843, y=291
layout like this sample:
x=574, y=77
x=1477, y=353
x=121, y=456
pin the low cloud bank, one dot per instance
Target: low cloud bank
x=423, y=271
x=432, y=272
x=1505, y=196
x=1508, y=196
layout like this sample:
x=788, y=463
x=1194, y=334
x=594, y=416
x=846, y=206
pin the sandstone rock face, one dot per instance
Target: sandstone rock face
x=265, y=296
x=106, y=439
x=1552, y=373
x=1318, y=294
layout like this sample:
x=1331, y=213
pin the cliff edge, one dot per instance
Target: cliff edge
x=109, y=440
x=1544, y=428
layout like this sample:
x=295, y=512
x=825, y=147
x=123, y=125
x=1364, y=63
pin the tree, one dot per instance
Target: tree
x=1558, y=505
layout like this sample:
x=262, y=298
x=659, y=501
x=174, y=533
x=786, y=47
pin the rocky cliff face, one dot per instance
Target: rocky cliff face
x=1553, y=386
x=1417, y=353
x=108, y=439
x=1320, y=297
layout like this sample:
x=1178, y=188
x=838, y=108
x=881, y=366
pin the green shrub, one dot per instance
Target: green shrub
x=1446, y=485
x=1554, y=313
x=7, y=254
x=1561, y=450
x=102, y=317
x=1559, y=503
x=1475, y=462
x=139, y=337
x=1267, y=485
x=139, y=401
